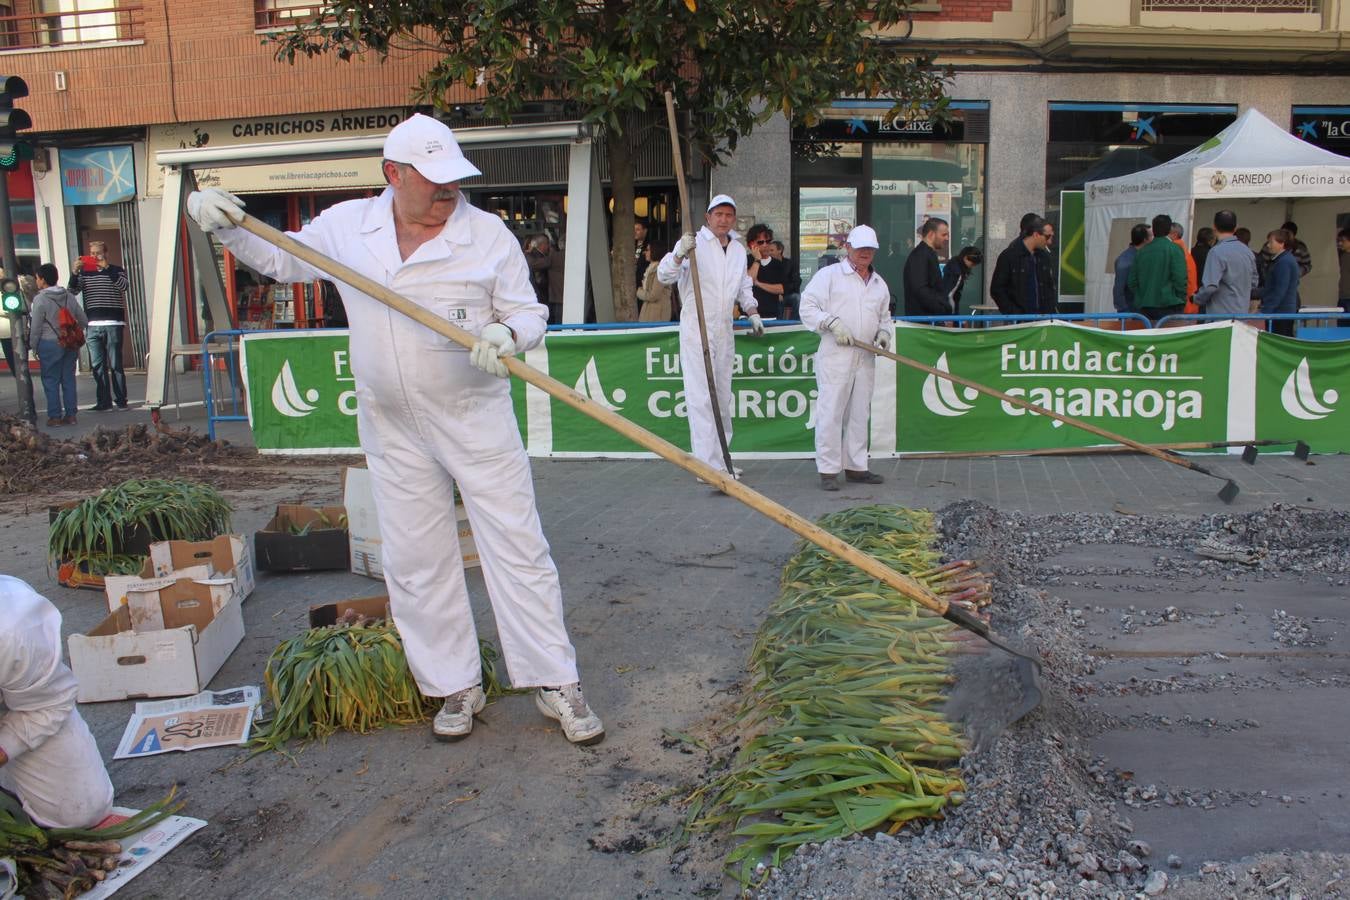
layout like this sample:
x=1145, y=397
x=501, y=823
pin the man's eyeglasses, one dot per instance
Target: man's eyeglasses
x=758, y=242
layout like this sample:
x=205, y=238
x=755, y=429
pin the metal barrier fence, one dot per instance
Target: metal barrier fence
x=1339, y=332
x=238, y=411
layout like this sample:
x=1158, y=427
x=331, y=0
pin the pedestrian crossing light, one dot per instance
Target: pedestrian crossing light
x=13, y=150
x=12, y=301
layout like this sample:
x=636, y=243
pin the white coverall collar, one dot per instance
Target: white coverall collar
x=705, y=234
x=379, y=233
x=850, y=268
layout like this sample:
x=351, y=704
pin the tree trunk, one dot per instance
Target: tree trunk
x=621, y=262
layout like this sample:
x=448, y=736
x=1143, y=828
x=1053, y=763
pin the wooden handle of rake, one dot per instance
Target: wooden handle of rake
x=905, y=585
x=1039, y=410
x=687, y=215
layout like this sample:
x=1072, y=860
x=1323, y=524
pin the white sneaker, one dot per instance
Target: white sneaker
x=736, y=473
x=568, y=707
x=455, y=720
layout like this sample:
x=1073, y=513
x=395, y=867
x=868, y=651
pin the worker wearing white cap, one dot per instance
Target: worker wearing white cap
x=725, y=282
x=48, y=757
x=842, y=302
x=431, y=415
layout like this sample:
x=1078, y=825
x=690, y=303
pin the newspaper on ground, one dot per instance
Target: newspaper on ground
x=208, y=719
x=141, y=850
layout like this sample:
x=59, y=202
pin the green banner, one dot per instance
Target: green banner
x=301, y=393
x=637, y=374
x=1072, y=246
x=1165, y=386
x=1301, y=392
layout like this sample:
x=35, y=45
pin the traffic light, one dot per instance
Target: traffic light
x=13, y=150
x=12, y=302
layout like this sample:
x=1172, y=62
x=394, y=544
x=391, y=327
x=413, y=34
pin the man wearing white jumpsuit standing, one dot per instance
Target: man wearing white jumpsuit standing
x=724, y=282
x=843, y=301
x=431, y=415
x=48, y=758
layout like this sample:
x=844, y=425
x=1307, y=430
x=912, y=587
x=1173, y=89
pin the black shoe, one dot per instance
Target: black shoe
x=829, y=482
x=100, y=408
x=863, y=477
x=122, y=406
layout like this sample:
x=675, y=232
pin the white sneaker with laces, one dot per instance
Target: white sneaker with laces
x=455, y=720
x=568, y=707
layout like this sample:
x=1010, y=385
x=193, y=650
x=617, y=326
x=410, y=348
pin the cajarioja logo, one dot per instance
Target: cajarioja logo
x=588, y=385
x=286, y=396
x=940, y=396
x=1299, y=398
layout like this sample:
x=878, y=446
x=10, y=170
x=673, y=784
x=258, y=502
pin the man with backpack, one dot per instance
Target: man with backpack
x=58, y=324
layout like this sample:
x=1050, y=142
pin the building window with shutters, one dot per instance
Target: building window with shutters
x=274, y=14
x=29, y=24
x=858, y=165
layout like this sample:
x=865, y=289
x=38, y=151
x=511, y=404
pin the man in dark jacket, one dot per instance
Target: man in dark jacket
x=924, y=294
x=1023, y=282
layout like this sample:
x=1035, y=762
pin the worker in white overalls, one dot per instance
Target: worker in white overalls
x=724, y=282
x=842, y=302
x=48, y=757
x=431, y=415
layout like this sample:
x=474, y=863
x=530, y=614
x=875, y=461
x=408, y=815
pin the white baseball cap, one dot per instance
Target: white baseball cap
x=429, y=146
x=863, y=237
x=721, y=200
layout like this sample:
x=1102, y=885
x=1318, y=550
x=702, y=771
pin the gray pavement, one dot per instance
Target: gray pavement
x=666, y=582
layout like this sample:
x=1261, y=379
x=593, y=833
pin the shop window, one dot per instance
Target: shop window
x=1327, y=127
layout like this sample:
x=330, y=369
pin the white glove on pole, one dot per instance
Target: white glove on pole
x=883, y=338
x=494, y=342
x=685, y=246
x=214, y=209
x=842, y=336
x=756, y=325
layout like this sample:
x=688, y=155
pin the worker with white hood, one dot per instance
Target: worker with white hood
x=844, y=302
x=429, y=413
x=724, y=281
x=48, y=757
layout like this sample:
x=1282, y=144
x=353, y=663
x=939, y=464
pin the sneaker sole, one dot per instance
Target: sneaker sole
x=580, y=742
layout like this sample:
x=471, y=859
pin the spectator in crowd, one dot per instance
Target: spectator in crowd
x=1022, y=283
x=640, y=242
x=1343, y=287
x=102, y=287
x=1205, y=239
x=654, y=296
x=7, y=339
x=1244, y=236
x=924, y=294
x=57, y=362
x=1178, y=237
x=546, y=264
x=792, y=284
x=768, y=278
x=1121, y=294
x=955, y=273
x=1158, y=277
x=1280, y=292
x=1229, y=278
x=48, y=757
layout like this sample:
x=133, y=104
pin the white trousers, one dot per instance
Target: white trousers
x=62, y=783
x=698, y=407
x=843, y=408
x=413, y=456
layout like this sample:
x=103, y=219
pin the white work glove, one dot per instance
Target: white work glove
x=842, y=336
x=883, y=338
x=214, y=208
x=756, y=325
x=494, y=342
x=685, y=246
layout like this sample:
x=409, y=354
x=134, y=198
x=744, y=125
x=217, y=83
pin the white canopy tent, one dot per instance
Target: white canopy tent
x=1253, y=167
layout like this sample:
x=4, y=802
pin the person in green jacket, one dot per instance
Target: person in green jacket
x=1158, y=277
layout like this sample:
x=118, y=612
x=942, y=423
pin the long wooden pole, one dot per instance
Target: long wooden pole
x=688, y=216
x=725, y=482
x=1172, y=458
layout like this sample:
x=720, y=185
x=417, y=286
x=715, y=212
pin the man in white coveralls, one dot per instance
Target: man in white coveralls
x=48, y=757
x=429, y=412
x=842, y=302
x=722, y=275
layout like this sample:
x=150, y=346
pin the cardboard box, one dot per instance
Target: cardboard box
x=328, y=613
x=322, y=546
x=225, y=556
x=114, y=661
x=364, y=527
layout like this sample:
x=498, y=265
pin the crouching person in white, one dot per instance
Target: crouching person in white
x=48, y=758
x=431, y=415
x=842, y=302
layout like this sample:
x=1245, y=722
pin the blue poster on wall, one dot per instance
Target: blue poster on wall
x=95, y=176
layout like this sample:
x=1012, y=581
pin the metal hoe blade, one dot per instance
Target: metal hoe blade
x=1228, y=493
x=1249, y=454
